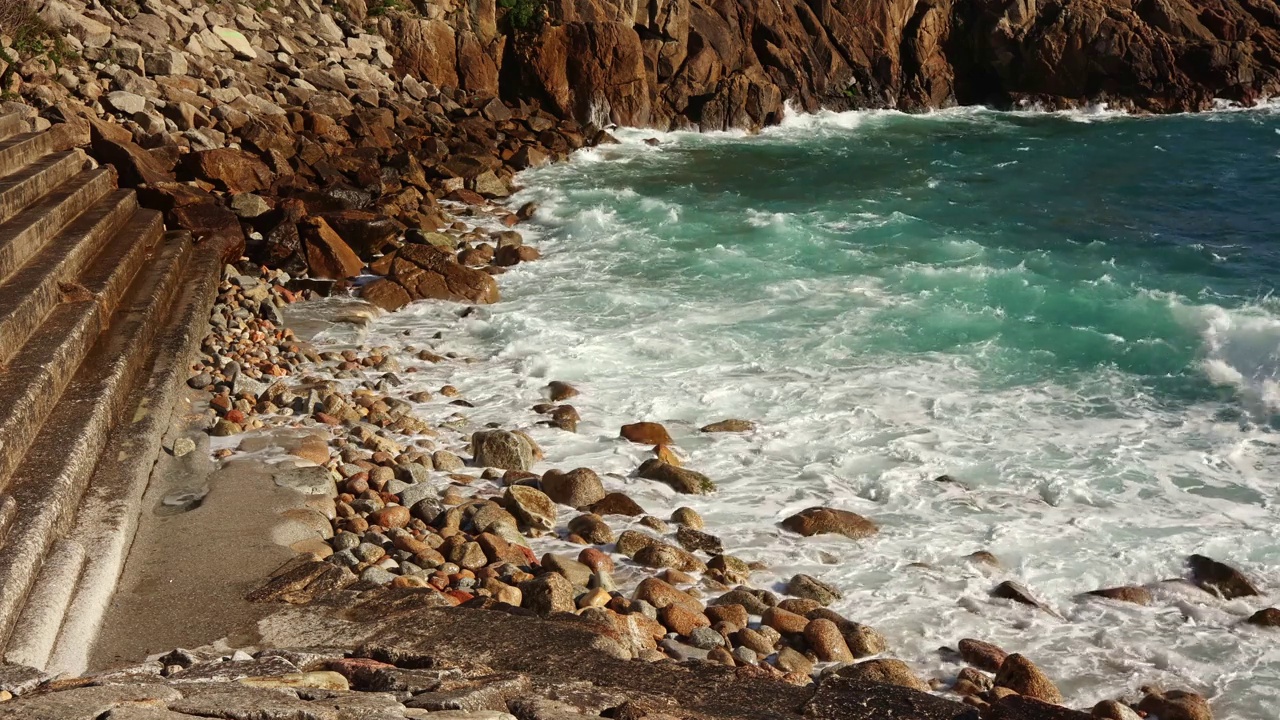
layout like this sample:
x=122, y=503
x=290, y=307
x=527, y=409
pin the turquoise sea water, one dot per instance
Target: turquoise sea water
x=1070, y=315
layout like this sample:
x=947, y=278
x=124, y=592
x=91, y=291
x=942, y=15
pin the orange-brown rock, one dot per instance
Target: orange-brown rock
x=327, y=256
x=427, y=272
x=235, y=171
x=646, y=433
x=827, y=521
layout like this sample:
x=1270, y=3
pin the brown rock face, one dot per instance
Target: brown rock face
x=235, y=171
x=423, y=48
x=427, y=272
x=826, y=521
x=733, y=63
x=328, y=257
x=594, y=71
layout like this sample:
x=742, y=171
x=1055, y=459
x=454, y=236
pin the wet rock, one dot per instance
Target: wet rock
x=729, y=426
x=661, y=555
x=827, y=521
x=592, y=528
x=631, y=542
x=864, y=640
x=617, y=504
x=696, y=540
x=982, y=655
x=785, y=622
x=811, y=588
x=660, y=594
x=502, y=449
x=578, y=488
x=1112, y=710
x=886, y=671
x=682, y=480
x=687, y=517
x=1010, y=590
x=1127, y=593
x=1023, y=677
x=646, y=433
x=386, y=294
x=560, y=391
x=531, y=507
x=427, y=272
x=729, y=569
x=1018, y=707
x=825, y=640
x=1267, y=617
x=327, y=256
x=1220, y=579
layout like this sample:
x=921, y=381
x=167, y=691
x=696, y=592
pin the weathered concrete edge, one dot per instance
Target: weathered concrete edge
x=108, y=519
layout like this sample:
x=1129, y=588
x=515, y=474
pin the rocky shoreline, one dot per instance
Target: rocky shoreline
x=337, y=160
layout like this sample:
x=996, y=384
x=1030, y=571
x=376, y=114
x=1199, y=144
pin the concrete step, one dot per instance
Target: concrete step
x=34, y=181
x=25, y=148
x=41, y=369
x=33, y=291
x=50, y=481
x=23, y=236
x=107, y=519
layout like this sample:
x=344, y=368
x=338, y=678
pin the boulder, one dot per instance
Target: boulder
x=662, y=555
x=646, y=433
x=327, y=256
x=578, y=488
x=1023, y=677
x=385, y=294
x=592, y=528
x=530, y=506
x=1010, y=590
x=502, y=449
x=1175, y=705
x=1126, y=593
x=827, y=643
x=549, y=593
x=829, y=521
x=682, y=480
x=809, y=587
x=617, y=504
x=1267, y=617
x=729, y=426
x=234, y=171
x=427, y=272
x=1220, y=579
x=885, y=671
x=982, y=655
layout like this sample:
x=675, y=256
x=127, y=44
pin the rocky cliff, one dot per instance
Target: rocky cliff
x=716, y=64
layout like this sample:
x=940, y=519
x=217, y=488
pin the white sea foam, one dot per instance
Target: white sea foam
x=1076, y=483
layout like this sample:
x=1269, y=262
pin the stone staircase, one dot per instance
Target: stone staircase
x=100, y=312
